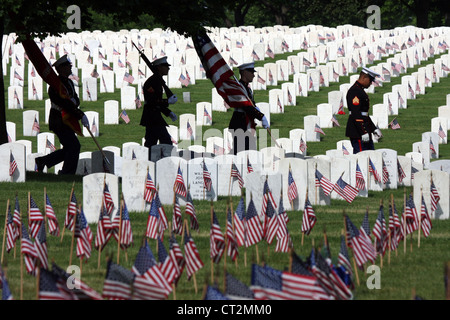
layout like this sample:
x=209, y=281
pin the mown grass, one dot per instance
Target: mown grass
x=416, y=269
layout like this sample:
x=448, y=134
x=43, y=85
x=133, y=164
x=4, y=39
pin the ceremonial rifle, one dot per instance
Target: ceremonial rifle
x=169, y=92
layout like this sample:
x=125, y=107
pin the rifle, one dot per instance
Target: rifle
x=169, y=93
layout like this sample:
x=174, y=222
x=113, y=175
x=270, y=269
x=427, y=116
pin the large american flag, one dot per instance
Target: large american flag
x=253, y=229
x=324, y=183
x=48, y=288
x=221, y=75
x=216, y=240
x=150, y=282
x=179, y=187
x=192, y=256
x=53, y=225
x=309, y=218
x=118, y=284
x=345, y=190
x=35, y=218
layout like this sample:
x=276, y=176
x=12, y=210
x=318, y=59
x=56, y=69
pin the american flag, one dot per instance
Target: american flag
x=190, y=131
x=270, y=226
x=106, y=67
x=177, y=255
x=343, y=256
x=138, y=102
x=118, y=284
x=433, y=150
x=16, y=217
x=192, y=256
x=177, y=223
x=380, y=232
x=292, y=187
x=179, y=187
x=269, y=52
x=153, y=221
x=284, y=240
x=126, y=233
x=93, y=127
x=261, y=80
x=434, y=197
x=17, y=76
x=335, y=121
x=236, y=174
x=395, y=228
x=36, y=127
x=12, y=164
x=255, y=55
x=356, y=243
x=207, y=115
x=48, y=288
x=50, y=145
x=190, y=210
x=104, y=229
x=6, y=291
x=207, y=182
x=309, y=218
x=240, y=223
x=221, y=75
x=411, y=216
x=71, y=212
x=385, y=173
x=11, y=232
x=306, y=62
x=163, y=223
x=35, y=218
x=231, y=242
x=267, y=195
x=441, y=132
x=401, y=173
x=84, y=239
x=53, y=225
x=318, y=129
x=213, y=293
x=40, y=244
x=216, y=240
x=374, y=171
x=125, y=116
x=302, y=146
x=150, y=282
x=249, y=166
x=253, y=229
x=166, y=263
x=425, y=219
x=324, y=183
x=184, y=81
x=271, y=284
x=150, y=188
x=345, y=190
x=360, y=182
x=28, y=251
x=16, y=96
x=107, y=199
x=237, y=290
x=328, y=278
x=128, y=78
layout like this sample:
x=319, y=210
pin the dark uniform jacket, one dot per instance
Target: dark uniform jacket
x=154, y=103
x=359, y=121
x=245, y=116
x=55, y=120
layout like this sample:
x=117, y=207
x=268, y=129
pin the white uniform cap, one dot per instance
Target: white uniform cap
x=247, y=66
x=160, y=61
x=61, y=61
x=370, y=72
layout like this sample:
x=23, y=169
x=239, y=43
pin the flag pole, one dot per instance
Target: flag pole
x=73, y=237
x=212, y=260
x=70, y=199
x=4, y=230
x=420, y=218
x=120, y=230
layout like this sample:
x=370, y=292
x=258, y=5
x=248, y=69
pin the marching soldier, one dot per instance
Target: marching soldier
x=71, y=145
x=242, y=123
x=359, y=125
x=152, y=120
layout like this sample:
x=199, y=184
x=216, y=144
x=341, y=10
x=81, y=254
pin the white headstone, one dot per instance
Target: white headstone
x=134, y=178
x=94, y=124
x=30, y=123
x=166, y=173
x=12, y=152
x=93, y=193
x=196, y=178
x=111, y=112
x=422, y=184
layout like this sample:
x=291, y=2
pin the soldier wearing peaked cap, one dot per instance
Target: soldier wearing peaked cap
x=71, y=145
x=242, y=123
x=359, y=125
x=155, y=106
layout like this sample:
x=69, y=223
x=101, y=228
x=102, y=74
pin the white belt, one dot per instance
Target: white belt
x=56, y=107
x=239, y=110
x=362, y=113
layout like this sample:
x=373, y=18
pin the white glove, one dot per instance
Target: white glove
x=365, y=137
x=378, y=132
x=265, y=123
x=173, y=99
x=173, y=116
x=85, y=121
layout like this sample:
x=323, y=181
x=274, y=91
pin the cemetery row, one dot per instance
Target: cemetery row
x=290, y=176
